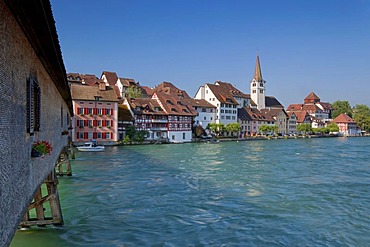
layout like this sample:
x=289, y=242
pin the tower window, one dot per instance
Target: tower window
x=261, y=84
x=254, y=84
x=261, y=90
x=254, y=91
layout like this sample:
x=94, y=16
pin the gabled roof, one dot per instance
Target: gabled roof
x=301, y=116
x=253, y=114
x=312, y=98
x=232, y=90
x=222, y=94
x=85, y=92
x=343, y=118
x=111, y=77
x=273, y=112
x=169, y=88
x=271, y=101
x=88, y=79
x=199, y=103
x=295, y=107
x=127, y=82
x=146, y=106
x=174, y=105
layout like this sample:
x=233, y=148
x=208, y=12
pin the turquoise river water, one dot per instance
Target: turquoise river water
x=300, y=192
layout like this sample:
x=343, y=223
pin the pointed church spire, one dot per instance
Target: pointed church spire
x=257, y=71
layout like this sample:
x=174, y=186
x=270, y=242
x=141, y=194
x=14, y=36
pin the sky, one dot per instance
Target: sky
x=320, y=46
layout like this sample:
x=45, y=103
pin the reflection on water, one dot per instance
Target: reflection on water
x=311, y=192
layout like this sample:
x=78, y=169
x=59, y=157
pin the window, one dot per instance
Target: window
x=183, y=136
x=107, y=136
x=254, y=91
x=33, y=106
x=90, y=111
x=261, y=90
x=254, y=84
x=205, y=118
x=173, y=137
x=99, y=111
x=99, y=135
x=80, y=135
x=90, y=135
x=109, y=112
x=261, y=84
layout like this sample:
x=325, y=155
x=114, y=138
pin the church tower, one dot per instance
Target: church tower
x=258, y=89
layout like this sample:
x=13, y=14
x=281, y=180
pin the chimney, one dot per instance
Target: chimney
x=102, y=86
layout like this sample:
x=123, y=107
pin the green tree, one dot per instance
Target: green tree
x=233, y=128
x=264, y=128
x=304, y=128
x=332, y=127
x=361, y=114
x=216, y=128
x=341, y=106
x=130, y=132
x=134, y=92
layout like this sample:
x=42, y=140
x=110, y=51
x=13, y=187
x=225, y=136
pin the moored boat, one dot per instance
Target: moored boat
x=91, y=147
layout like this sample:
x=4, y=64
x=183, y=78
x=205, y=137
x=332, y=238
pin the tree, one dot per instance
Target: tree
x=341, y=106
x=304, y=127
x=134, y=92
x=332, y=127
x=198, y=131
x=216, y=128
x=264, y=128
x=361, y=114
x=233, y=128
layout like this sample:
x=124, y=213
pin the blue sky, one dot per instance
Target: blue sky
x=318, y=45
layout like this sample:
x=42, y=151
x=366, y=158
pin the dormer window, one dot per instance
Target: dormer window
x=174, y=110
x=78, y=78
x=184, y=110
x=169, y=102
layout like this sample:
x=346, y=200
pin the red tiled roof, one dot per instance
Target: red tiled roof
x=85, y=92
x=222, y=94
x=87, y=79
x=301, y=116
x=174, y=105
x=343, y=118
x=294, y=107
x=112, y=77
x=312, y=98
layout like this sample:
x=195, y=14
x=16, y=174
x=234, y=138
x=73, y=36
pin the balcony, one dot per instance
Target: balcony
x=159, y=121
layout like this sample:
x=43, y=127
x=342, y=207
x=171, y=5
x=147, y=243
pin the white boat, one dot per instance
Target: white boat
x=91, y=147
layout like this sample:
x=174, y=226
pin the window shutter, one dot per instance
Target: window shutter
x=30, y=112
x=95, y=111
x=78, y=110
x=78, y=123
x=95, y=122
x=111, y=123
x=104, y=123
x=86, y=136
x=86, y=123
x=86, y=111
x=95, y=135
x=104, y=135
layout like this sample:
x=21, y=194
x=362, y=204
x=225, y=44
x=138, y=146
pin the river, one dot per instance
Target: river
x=297, y=192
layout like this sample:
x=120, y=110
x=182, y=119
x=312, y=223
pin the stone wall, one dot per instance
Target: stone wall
x=20, y=175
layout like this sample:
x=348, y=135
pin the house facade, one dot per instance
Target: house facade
x=96, y=113
x=347, y=126
x=35, y=103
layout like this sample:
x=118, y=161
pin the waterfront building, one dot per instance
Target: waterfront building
x=291, y=123
x=220, y=95
x=180, y=114
x=205, y=112
x=149, y=116
x=301, y=117
x=347, y=126
x=280, y=117
x=35, y=106
x=250, y=119
x=96, y=113
x=320, y=112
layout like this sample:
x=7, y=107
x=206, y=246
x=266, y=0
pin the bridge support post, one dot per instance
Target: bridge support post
x=45, y=208
x=63, y=165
